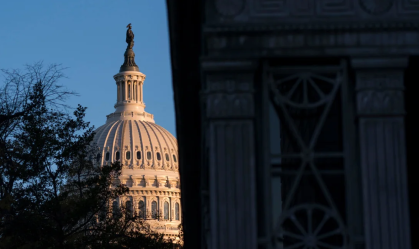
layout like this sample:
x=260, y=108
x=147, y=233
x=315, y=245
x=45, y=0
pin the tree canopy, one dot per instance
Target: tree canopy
x=53, y=192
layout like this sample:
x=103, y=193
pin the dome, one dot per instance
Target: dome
x=149, y=157
x=141, y=146
x=148, y=154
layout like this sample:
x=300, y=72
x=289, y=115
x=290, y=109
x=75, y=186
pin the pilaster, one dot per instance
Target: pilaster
x=229, y=208
x=380, y=111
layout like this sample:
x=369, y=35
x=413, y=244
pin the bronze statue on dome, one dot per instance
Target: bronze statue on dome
x=130, y=37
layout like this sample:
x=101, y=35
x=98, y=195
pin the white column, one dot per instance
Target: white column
x=121, y=89
x=141, y=92
x=126, y=90
x=135, y=91
x=117, y=92
x=131, y=89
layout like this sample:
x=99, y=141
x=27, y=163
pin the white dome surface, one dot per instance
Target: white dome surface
x=157, y=148
x=148, y=154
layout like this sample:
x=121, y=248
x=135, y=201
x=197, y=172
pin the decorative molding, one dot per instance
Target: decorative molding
x=269, y=7
x=376, y=7
x=229, y=96
x=379, y=92
x=385, y=102
x=313, y=25
x=287, y=8
x=229, y=8
x=335, y=7
x=321, y=39
x=408, y=7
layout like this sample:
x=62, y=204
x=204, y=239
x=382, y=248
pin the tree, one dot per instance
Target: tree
x=53, y=192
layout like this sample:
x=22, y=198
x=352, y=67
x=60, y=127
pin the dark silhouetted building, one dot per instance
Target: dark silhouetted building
x=296, y=122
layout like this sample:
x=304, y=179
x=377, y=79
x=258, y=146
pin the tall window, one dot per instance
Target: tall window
x=158, y=156
x=128, y=155
x=117, y=156
x=128, y=206
x=148, y=155
x=115, y=209
x=107, y=156
x=141, y=208
x=138, y=155
x=166, y=210
x=177, y=211
x=154, y=210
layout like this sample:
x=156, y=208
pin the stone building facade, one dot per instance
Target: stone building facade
x=303, y=109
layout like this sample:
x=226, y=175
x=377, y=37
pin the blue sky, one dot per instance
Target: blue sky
x=88, y=37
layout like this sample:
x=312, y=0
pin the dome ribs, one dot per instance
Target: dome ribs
x=141, y=144
x=131, y=148
x=110, y=136
x=116, y=141
x=158, y=141
x=164, y=138
x=151, y=144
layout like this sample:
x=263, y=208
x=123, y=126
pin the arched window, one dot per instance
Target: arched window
x=98, y=156
x=128, y=206
x=148, y=155
x=177, y=211
x=107, y=156
x=138, y=155
x=166, y=210
x=115, y=208
x=154, y=210
x=128, y=155
x=167, y=157
x=158, y=156
x=117, y=156
x=141, y=209
x=174, y=158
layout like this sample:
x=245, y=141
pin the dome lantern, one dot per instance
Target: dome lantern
x=129, y=82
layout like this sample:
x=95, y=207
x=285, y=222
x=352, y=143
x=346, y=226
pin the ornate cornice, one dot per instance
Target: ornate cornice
x=141, y=192
x=348, y=25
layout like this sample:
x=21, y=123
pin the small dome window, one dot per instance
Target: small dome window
x=177, y=211
x=128, y=206
x=154, y=210
x=117, y=156
x=166, y=210
x=98, y=156
x=158, y=156
x=148, y=155
x=107, y=156
x=128, y=155
x=174, y=158
x=138, y=155
x=167, y=157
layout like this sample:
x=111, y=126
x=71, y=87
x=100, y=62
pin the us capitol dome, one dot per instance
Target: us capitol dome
x=148, y=153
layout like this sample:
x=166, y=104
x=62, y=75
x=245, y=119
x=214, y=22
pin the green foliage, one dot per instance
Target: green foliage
x=53, y=193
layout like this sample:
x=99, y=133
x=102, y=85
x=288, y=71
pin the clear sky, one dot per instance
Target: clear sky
x=88, y=37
